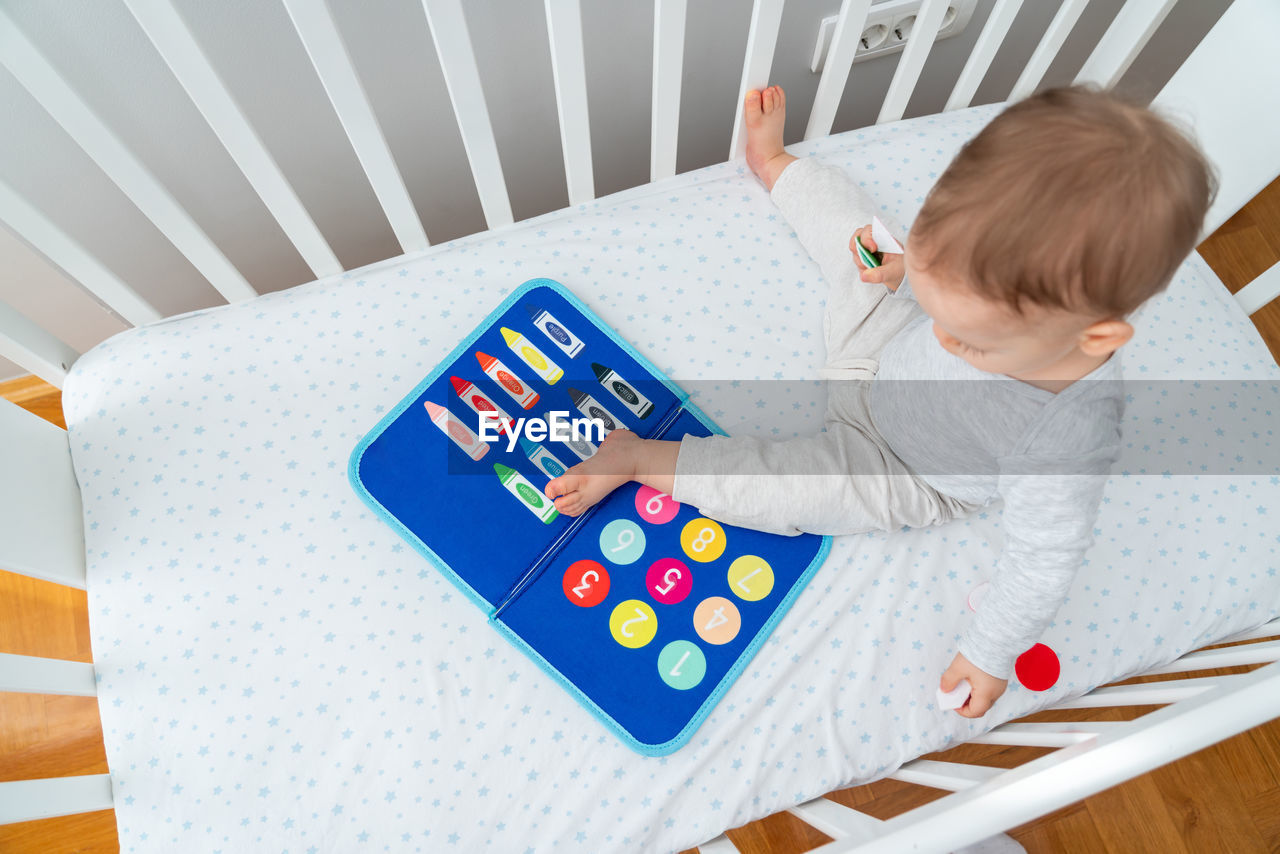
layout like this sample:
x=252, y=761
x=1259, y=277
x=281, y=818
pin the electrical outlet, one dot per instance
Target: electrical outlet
x=888, y=27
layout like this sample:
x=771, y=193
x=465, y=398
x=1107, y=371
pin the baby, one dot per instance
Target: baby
x=979, y=364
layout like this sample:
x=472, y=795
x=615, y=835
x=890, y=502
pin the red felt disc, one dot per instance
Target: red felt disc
x=1038, y=668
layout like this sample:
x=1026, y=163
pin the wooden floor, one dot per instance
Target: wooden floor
x=1223, y=799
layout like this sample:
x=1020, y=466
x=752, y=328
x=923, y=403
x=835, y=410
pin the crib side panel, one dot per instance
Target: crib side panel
x=41, y=528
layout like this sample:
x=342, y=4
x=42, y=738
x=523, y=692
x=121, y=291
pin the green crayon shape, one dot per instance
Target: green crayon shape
x=623, y=390
x=516, y=483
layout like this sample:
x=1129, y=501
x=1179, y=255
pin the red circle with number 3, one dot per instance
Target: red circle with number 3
x=669, y=580
x=586, y=583
x=1038, y=668
x=654, y=506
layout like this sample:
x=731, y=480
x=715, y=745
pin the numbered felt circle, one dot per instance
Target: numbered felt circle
x=669, y=580
x=682, y=665
x=654, y=506
x=622, y=541
x=702, y=540
x=716, y=620
x=633, y=623
x=750, y=578
x=1038, y=668
x=586, y=583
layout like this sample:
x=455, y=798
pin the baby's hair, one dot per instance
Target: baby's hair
x=1074, y=199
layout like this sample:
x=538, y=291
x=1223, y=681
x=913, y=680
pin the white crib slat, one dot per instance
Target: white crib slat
x=1147, y=693
x=762, y=38
x=1062, y=734
x=33, y=349
x=28, y=674
x=197, y=76
x=1227, y=656
x=952, y=776
x=1260, y=291
x=1266, y=630
x=1059, y=28
x=837, y=820
x=719, y=845
x=668, y=62
x=1043, y=785
x=28, y=800
x=46, y=85
x=1128, y=34
x=984, y=50
x=51, y=241
x=41, y=522
x=569, y=71
x=320, y=37
x=911, y=63
x=835, y=70
x=462, y=79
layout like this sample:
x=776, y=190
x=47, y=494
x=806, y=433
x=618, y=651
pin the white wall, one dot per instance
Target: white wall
x=104, y=55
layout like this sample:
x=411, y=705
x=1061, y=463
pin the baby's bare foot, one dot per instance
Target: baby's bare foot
x=764, y=114
x=586, y=483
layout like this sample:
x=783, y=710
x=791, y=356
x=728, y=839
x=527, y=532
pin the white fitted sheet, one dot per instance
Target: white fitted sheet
x=278, y=672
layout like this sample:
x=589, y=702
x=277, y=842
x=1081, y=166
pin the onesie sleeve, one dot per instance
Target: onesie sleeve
x=1050, y=508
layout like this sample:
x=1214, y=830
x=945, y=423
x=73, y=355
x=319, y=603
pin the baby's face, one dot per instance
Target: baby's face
x=990, y=335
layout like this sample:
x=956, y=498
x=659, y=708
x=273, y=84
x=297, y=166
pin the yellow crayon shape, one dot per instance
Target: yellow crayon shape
x=532, y=356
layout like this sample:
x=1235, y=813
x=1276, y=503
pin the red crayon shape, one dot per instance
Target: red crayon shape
x=480, y=402
x=506, y=378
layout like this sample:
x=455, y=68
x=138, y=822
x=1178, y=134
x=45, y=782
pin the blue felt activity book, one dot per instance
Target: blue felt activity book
x=642, y=608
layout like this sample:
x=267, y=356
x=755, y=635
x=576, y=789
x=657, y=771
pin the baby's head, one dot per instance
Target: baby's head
x=1063, y=215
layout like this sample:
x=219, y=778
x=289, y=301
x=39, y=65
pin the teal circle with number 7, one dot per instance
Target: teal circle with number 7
x=682, y=665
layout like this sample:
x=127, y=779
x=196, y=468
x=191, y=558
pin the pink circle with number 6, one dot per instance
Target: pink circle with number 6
x=654, y=506
x=668, y=580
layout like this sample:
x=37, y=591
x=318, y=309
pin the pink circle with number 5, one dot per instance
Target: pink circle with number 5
x=654, y=506
x=668, y=580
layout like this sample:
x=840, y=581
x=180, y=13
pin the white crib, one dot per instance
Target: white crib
x=1227, y=88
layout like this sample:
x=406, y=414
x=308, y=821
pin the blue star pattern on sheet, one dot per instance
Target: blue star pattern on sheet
x=277, y=672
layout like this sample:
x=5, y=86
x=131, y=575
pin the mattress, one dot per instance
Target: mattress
x=278, y=671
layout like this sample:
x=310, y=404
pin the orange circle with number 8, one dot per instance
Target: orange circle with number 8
x=702, y=540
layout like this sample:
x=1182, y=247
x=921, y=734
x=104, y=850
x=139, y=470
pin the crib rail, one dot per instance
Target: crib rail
x=1091, y=756
x=1217, y=88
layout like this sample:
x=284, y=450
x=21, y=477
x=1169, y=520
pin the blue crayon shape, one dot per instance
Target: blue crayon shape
x=555, y=330
x=542, y=458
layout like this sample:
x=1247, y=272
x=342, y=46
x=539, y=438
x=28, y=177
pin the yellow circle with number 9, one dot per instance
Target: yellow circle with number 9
x=702, y=540
x=750, y=578
x=633, y=623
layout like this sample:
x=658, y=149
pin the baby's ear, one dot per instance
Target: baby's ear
x=1105, y=337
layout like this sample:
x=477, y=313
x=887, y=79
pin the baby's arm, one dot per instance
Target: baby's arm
x=623, y=456
x=1048, y=526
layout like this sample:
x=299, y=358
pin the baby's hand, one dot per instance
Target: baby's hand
x=984, y=689
x=891, y=270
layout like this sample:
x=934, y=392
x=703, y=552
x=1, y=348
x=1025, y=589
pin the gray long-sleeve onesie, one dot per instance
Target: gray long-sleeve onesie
x=916, y=436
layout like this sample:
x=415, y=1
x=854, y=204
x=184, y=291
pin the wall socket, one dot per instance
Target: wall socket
x=888, y=27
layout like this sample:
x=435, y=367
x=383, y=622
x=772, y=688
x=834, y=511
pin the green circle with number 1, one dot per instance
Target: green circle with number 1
x=682, y=665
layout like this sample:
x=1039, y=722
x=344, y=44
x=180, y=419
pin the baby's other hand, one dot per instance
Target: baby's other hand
x=891, y=270
x=984, y=689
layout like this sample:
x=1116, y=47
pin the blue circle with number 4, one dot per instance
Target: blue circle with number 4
x=622, y=542
x=682, y=665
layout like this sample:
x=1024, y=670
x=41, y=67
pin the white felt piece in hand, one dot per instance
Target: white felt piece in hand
x=884, y=240
x=955, y=698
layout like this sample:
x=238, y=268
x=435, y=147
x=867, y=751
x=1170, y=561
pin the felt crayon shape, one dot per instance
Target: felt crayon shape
x=516, y=483
x=504, y=377
x=592, y=408
x=531, y=355
x=457, y=431
x=555, y=330
x=623, y=390
x=480, y=402
x=581, y=447
x=542, y=458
